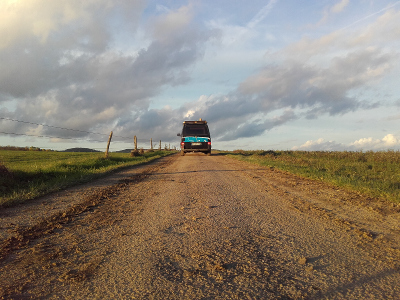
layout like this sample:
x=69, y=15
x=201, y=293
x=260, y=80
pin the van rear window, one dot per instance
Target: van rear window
x=195, y=130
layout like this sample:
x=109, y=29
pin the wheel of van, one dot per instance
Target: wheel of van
x=209, y=153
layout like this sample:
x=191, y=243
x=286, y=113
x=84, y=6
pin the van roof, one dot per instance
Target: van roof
x=195, y=122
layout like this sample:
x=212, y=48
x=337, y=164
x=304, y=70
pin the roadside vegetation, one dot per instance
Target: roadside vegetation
x=25, y=175
x=376, y=174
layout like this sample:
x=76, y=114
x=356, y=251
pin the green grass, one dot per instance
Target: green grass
x=25, y=175
x=376, y=174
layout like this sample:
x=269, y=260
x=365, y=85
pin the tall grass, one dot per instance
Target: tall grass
x=25, y=175
x=376, y=174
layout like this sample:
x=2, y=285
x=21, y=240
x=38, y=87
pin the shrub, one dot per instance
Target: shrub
x=4, y=171
x=6, y=179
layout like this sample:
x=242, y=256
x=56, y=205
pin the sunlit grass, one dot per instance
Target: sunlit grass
x=376, y=174
x=25, y=175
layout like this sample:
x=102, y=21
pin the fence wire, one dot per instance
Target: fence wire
x=120, y=139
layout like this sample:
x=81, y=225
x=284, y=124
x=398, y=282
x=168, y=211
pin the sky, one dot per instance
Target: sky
x=266, y=74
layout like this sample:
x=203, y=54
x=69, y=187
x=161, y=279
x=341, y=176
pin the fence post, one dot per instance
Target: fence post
x=160, y=146
x=135, y=142
x=108, y=144
x=151, y=144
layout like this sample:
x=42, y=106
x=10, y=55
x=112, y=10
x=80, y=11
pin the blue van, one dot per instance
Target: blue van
x=195, y=137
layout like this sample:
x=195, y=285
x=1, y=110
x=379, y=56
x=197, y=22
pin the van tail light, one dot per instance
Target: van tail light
x=209, y=143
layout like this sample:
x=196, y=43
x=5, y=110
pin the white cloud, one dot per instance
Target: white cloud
x=320, y=145
x=387, y=142
x=40, y=18
x=189, y=114
x=390, y=140
x=338, y=7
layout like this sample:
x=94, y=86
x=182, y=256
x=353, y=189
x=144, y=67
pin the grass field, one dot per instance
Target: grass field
x=376, y=174
x=25, y=175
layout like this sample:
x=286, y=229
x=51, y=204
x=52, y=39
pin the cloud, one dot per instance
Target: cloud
x=320, y=89
x=389, y=141
x=386, y=142
x=338, y=7
x=41, y=21
x=252, y=128
x=68, y=73
x=320, y=145
x=332, y=10
x=171, y=23
x=383, y=33
x=373, y=14
x=239, y=36
x=297, y=82
x=263, y=13
x=309, y=79
x=37, y=18
x=65, y=64
x=158, y=124
x=235, y=116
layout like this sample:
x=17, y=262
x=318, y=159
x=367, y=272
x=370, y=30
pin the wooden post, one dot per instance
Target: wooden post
x=151, y=144
x=108, y=144
x=160, y=146
x=135, y=142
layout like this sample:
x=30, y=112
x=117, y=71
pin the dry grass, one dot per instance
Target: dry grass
x=374, y=173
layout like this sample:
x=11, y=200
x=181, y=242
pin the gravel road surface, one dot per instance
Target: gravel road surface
x=201, y=227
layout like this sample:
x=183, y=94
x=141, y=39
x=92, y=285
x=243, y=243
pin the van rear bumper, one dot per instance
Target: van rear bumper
x=195, y=147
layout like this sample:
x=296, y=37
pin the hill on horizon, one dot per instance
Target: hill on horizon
x=77, y=149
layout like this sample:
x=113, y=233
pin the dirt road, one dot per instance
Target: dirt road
x=199, y=227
